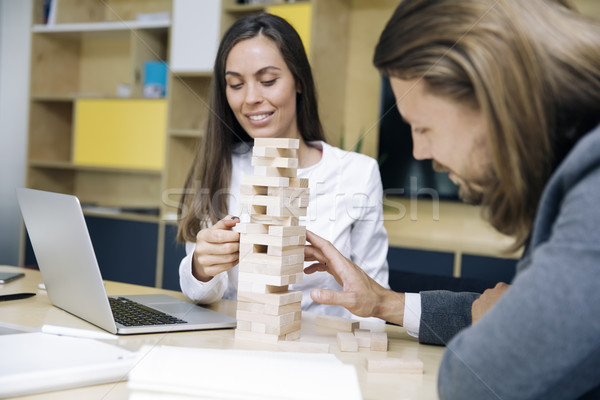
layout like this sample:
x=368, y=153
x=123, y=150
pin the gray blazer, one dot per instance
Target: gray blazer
x=542, y=339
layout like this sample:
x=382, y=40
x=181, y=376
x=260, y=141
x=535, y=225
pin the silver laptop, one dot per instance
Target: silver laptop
x=68, y=265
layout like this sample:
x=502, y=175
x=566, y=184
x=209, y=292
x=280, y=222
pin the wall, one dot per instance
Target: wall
x=15, y=44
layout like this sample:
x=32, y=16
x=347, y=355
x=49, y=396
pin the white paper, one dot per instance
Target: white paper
x=176, y=372
x=38, y=362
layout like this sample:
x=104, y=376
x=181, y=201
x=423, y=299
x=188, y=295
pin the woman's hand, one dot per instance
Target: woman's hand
x=361, y=295
x=217, y=249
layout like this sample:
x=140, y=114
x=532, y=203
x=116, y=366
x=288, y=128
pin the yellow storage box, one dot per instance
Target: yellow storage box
x=120, y=133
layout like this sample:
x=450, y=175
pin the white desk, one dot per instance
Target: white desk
x=36, y=311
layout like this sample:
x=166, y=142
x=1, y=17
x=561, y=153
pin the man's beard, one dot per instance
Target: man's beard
x=469, y=192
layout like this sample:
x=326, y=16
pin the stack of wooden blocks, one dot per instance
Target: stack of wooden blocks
x=271, y=243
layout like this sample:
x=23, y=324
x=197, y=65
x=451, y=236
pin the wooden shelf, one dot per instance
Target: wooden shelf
x=101, y=26
x=74, y=167
x=247, y=8
x=186, y=133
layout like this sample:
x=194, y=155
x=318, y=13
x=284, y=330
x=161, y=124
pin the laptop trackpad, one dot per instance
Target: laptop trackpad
x=178, y=309
x=167, y=304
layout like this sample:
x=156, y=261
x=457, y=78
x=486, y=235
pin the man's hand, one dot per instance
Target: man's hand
x=487, y=300
x=361, y=295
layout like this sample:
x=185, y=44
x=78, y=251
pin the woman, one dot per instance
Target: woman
x=263, y=87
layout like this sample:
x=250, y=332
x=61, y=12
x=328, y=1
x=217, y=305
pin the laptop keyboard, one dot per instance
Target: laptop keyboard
x=129, y=313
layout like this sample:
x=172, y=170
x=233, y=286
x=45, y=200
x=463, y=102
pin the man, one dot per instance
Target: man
x=505, y=96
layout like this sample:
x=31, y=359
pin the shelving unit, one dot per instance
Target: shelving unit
x=94, y=49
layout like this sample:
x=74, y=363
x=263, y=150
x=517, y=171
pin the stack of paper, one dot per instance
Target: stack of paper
x=38, y=362
x=183, y=373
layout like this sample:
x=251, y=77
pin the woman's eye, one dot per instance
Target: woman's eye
x=269, y=83
x=235, y=86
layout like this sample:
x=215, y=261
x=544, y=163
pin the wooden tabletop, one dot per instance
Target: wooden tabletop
x=37, y=311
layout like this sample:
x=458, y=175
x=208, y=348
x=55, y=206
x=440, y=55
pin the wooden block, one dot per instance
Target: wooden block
x=274, y=171
x=297, y=183
x=276, y=162
x=284, y=329
x=269, y=309
x=250, y=326
x=379, y=341
x=297, y=197
x=364, y=337
x=273, y=270
x=268, y=240
x=285, y=250
x=290, y=192
x=277, y=330
x=286, y=211
x=257, y=337
x=259, y=151
x=273, y=200
x=293, y=336
x=269, y=320
x=279, y=221
x=261, y=200
x=302, y=347
x=269, y=260
x=339, y=323
x=257, y=287
x=249, y=228
x=273, y=280
x=277, y=299
x=287, y=230
x=279, y=143
x=254, y=190
x=253, y=180
x=394, y=365
x=347, y=341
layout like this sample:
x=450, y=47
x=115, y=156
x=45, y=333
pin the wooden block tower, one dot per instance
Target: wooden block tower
x=271, y=243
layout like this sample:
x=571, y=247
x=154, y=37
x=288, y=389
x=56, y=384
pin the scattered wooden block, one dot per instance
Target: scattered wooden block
x=339, y=323
x=364, y=337
x=303, y=347
x=394, y=365
x=379, y=341
x=279, y=143
x=347, y=341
